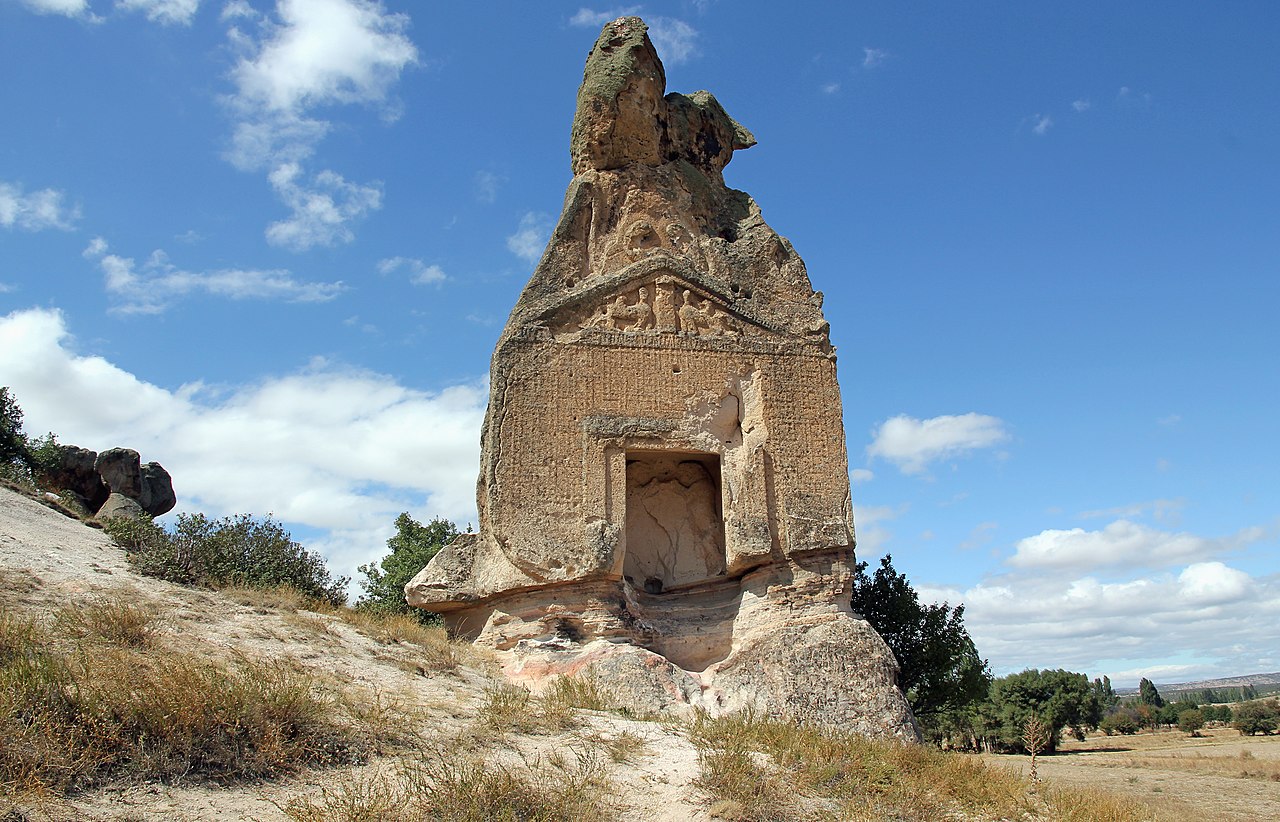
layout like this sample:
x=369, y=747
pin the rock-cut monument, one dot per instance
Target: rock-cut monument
x=664, y=491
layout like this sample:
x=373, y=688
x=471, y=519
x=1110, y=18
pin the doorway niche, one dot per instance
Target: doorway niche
x=674, y=520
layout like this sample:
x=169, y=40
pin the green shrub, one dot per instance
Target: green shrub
x=1257, y=717
x=239, y=550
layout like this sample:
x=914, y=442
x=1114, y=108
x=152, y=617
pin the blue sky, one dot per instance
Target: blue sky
x=271, y=246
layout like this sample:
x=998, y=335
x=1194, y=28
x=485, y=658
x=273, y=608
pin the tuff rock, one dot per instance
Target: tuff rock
x=664, y=494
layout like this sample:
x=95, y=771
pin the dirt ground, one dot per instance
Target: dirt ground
x=1218, y=777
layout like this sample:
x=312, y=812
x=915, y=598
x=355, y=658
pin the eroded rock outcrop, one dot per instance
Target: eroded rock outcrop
x=664, y=494
x=113, y=483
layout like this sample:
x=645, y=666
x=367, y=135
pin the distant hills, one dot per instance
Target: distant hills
x=1262, y=682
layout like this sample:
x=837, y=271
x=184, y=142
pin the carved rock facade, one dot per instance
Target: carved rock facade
x=664, y=495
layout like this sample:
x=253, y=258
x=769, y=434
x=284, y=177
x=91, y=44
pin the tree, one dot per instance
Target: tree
x=1061, y=698
x=1191, y=722
x=1148, y=695
x=1255, y=718
x=939, y=669
x=1105, y=694
x=412, y=547
x=13, y=443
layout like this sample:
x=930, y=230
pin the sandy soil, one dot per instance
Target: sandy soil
x=48, y=561
x=1222, y=777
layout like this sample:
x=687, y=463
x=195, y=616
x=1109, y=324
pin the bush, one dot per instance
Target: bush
x=237, y=550
x=1123, y=720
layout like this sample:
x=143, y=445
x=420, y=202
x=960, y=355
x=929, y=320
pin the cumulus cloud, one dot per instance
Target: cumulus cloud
x=1121, y=543
x=1082, y=105
x=1214, y=615
x=317, y=53
x=165, y=12
x=323, y=207
x=35, y=211
x=912, y=444
x=675, y=40
x=330, y=448
x=861, y=475
x=1041, y=123
x=531, y=236
x=419, y=272
x=871, y=58
x=157, y=283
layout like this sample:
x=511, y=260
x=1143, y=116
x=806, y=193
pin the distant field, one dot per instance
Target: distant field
x=1222, y=777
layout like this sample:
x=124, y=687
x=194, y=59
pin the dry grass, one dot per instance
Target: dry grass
x=1241, y=765
x=86, y=700
x=110, y=619
x=432, y=649
x=770, y=770
x=446, y=785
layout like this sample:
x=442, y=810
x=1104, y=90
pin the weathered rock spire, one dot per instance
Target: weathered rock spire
x=664, y=491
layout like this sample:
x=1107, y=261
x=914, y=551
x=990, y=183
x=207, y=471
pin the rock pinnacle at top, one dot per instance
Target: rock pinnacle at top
x=623, y=116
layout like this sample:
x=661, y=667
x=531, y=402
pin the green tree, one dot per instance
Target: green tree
x=1148, y=695
x=1060, y=698
x=412, y=547
x=1255, y=718
x=939, y=669
x=1191, y=722
x=14, y=451
x=1105, y=694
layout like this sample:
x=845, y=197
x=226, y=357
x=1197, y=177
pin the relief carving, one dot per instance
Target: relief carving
x=696, y=315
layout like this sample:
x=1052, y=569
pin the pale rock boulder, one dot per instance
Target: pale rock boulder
x=118, y=505
x=664, y=495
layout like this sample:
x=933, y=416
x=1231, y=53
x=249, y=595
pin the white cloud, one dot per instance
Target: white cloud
x=322, y=208
x=1163, y=510
x=1121, y=543
x=67, y=8
x=328, y=447
x=96, y=248
x=595, y=19
x=531, y=236
x=1217, y=617
x=861, y=475
x=871, y=58
x=487, y=184
x=830, y=88
x=675, y=40
x=1082, y=105
x=165, y=12
x=155, y=285
x=7, y=288
x=912, y=444
x=238, y=10
x=419, y=272
x=1041, y=123
x=35, y=211
x=318, y=53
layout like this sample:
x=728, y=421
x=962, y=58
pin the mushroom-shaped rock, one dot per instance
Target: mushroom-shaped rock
x=121, y=470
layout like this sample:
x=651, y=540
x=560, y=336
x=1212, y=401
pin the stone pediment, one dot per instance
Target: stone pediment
x=654, y=299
